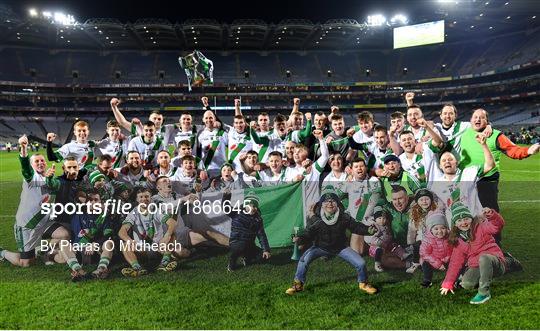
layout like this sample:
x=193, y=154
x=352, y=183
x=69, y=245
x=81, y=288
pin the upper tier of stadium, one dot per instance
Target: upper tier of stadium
x=483, y=37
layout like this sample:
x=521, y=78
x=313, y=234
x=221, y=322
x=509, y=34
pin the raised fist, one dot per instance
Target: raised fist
x=236, y=102
x=318, y=134
x=334, y=109
x=204, y=101
x=296, y=101
x=23, y=141
x=203, y=175
x=136, y=121
x=115, y=102
x=51, y=136
x=351, y=132
x=308, y=116
x=306, y=163
x=50, y=172
x=329, y=139
x=487, y=212
x=409, y=96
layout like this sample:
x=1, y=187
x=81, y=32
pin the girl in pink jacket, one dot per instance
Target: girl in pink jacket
x=474, y=245
x=435, y=250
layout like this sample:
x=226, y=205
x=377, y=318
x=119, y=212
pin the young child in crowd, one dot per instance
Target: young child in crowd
x=435, y=249
x=474, y=245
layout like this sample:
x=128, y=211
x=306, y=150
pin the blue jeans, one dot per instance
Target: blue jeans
x=347, y=254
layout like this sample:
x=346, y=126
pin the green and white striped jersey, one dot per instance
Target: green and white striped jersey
x=147, y=150
x=83, y=153
x=148, y=227
x=34, y=193
x=213, y=147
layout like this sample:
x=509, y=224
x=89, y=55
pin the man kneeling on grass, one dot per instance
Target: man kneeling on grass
x=143, y=233
x=327, y=230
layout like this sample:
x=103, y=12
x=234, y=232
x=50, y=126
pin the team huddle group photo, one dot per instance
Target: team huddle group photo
x=414, y=196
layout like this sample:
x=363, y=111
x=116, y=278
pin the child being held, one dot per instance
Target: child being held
x=382, y=239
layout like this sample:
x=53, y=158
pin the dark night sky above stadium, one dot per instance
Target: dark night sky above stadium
x=271, y=11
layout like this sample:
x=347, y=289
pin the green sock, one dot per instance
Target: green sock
x=166, y=259
x=104, y=262
x=135, y=265
x=73, y=264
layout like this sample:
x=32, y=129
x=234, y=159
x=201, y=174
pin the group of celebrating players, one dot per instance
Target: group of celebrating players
x=411, y=195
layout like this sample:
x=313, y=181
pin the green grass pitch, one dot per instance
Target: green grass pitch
x=201, y=294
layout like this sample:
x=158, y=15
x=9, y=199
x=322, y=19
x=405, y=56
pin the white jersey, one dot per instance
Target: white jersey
x=159, y=199
x=213, y=147
x=83, y=153
x=257, y=147
x=362, y=138
x=377, y=155
x=147, y=151
x=147, y=227
x=274, y=142
x=414, y=166
x=464, y=181
x=189, y=135
x=338, y=183
x=246, y=180
x=418, y=135
x=237, y=143
x=165, y=133
x=454, y=131
x=115, y=149
x=131, y=179
x=359, y=194
x=34, y=193
x=268, y=178
x=182, y=183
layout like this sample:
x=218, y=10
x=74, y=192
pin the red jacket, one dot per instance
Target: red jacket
x=435, y=251
x=469, y=252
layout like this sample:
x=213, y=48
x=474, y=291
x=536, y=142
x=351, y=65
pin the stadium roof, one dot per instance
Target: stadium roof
x=469, y=20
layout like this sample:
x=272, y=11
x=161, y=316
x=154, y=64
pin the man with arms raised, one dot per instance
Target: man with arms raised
x=31, y=225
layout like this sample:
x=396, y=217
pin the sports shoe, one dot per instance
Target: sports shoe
x=479, y=299
x=412, y=268
x=100, y=273
x=48, y=258
x=131, y=272
x=297, y=286
x=79, y=275
x=378, y=267
x=426, y=284
x=367, y=288
x=512, y=263
x=243, y=261
x=168, y=267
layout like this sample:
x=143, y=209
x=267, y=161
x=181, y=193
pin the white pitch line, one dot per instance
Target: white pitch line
x=518, y=201
x=527, y=171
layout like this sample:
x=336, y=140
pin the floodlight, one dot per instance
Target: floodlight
x=399, y=19
x=376, y=20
